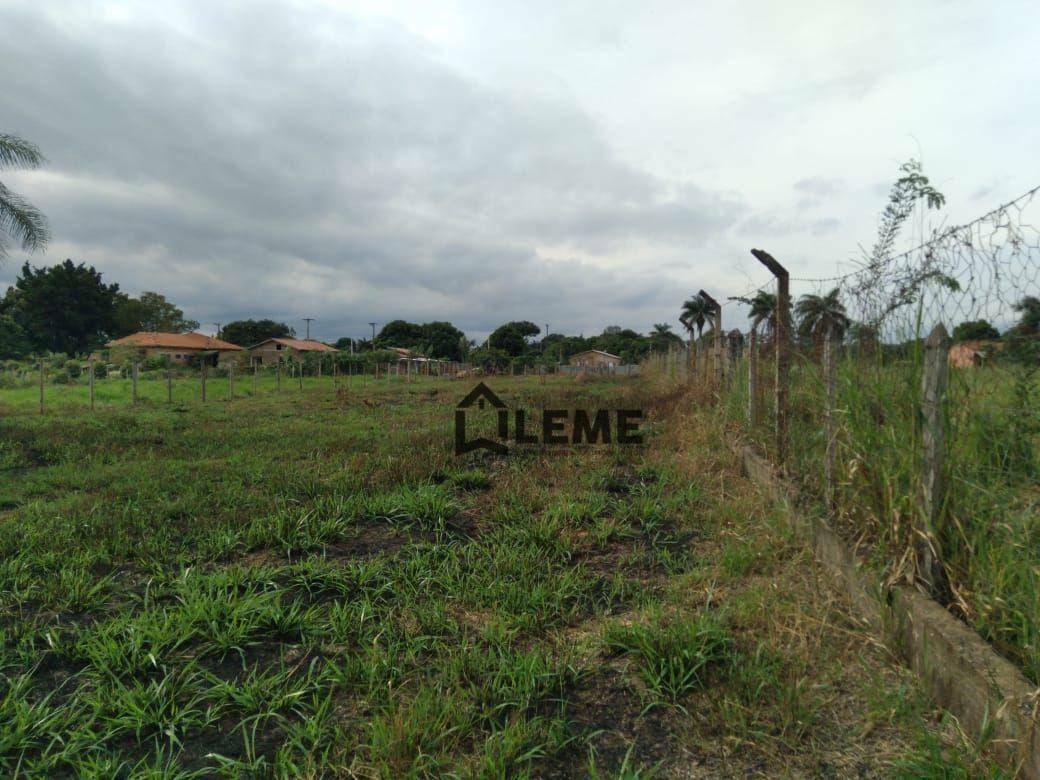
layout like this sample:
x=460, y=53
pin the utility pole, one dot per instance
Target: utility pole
x=308, y=320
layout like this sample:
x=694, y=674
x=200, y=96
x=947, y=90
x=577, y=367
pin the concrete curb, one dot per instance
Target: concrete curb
x=966, y=676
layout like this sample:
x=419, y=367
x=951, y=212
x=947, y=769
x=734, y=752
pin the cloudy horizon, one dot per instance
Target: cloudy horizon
x=583, y=165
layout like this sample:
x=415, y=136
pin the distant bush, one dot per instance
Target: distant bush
x=73, y=369
x=62, y=378
x=100, y=370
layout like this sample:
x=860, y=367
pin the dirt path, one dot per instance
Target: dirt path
x=801, y=687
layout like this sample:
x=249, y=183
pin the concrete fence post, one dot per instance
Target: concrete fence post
x=829, y=414
x=782, y=334
x=933, y=397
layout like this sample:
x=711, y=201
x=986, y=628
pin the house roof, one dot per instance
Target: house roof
x=598, y=352
x=147, y=338
x=300, y=345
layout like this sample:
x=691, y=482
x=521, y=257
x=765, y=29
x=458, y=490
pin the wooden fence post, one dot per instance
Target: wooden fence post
x=90, y=381
x=299, y=370
x=231, y=381
x=169, y=386
x=133, y=381
x=829, y=415
x=933, y=396
x=782, y=335
x=278, y=376
x=202, y=377
x=256, y=372
x=41, y=387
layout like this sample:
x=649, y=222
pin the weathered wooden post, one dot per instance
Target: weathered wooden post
x=782, y=335
x=90, y=382
x=278, y=376
x=320, y=361
x=933, y=397
x=133, y=381
x=169, y=386
x=752, y=377
x=41, y=387
x=256, y=372
x=299, y=370
x=231, y=381
x=202, y=377
x=829, y=414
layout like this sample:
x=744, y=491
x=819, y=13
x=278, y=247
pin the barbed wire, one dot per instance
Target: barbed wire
x=978, y=270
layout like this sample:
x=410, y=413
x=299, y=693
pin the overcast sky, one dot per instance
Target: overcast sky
x=582, y=164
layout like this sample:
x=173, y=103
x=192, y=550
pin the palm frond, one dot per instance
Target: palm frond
x=16, y=152
x=19, y=219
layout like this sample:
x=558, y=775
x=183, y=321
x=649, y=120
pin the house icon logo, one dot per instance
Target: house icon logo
x=481, y=396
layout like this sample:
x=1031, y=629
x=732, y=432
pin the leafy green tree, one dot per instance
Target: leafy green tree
x=14, y=344
x=64, y=308
x=18, y=218
x=1029, y=315
x=819, y=313
x=512, y=337
x=975, y=330
x=246, y=333
x=438, y=340
x=399, y=333
x=150, y=312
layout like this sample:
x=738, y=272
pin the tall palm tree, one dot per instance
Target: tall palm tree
x=818, y=314
x=662, y=330
x=763, y=307
x=696, y=312
x=18, y=218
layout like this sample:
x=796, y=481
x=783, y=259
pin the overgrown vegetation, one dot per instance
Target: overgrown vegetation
x=319, y=587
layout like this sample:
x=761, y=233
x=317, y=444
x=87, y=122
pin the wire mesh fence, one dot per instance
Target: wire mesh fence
x=904, y=398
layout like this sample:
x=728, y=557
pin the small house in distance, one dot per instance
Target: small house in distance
x=175, y=347
x=594, y=357
x=275, y=350
x=968, y=354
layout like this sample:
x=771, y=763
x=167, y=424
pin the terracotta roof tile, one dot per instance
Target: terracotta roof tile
x=172, y=340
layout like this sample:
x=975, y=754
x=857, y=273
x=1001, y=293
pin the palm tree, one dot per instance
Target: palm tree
x=662, y=330
x=763, y=307
x=695, y=313
x=820, y=314
x=18, y=218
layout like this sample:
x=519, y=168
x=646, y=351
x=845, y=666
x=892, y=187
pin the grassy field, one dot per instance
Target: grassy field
x=312, y=584
x=990, y=521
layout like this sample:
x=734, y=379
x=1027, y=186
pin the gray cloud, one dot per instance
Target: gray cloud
x=273, y=160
